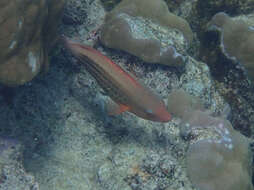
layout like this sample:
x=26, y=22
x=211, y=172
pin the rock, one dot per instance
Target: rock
x=87, y=17
x=12, y=172
x=74, y=13
x=28, y=31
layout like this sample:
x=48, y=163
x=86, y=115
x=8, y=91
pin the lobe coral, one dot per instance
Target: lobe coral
x=219, y=157
x=237, y=40
x=146, y=29
x=27, y=32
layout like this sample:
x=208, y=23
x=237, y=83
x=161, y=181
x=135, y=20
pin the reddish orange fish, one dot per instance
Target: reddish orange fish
x=124, y=89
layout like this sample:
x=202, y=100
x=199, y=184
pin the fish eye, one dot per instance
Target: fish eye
x=149, y=111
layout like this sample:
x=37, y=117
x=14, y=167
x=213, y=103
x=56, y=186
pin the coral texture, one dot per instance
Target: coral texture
x=152, y=33
x=218, y=156
x=188, y=103
x=237, y=40
x=27, y=30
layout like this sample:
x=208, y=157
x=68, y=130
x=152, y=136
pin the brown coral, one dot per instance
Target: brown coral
x=237, y=40
x=151, y=33
x=27, y=31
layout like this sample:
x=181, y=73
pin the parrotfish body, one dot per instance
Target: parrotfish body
x=122, y=88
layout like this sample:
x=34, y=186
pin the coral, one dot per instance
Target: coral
x=179, y=102
x=218, y=156
x=153, y=34
x=27, y=30
x=237, y=40
x=210, y=7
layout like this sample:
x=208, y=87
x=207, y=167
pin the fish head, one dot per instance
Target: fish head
x=158, y=113
x=149, y=105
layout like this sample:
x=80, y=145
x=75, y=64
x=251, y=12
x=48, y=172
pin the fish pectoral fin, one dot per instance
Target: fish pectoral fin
x=114, y=108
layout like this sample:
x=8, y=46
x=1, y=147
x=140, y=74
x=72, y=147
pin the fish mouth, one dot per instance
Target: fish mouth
x=165, y=118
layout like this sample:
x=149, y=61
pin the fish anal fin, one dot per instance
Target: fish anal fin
x=114, y=108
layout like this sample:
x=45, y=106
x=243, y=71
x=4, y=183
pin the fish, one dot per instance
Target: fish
x=127, y=93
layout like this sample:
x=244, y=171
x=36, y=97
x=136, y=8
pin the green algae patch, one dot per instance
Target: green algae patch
x=151, y=33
